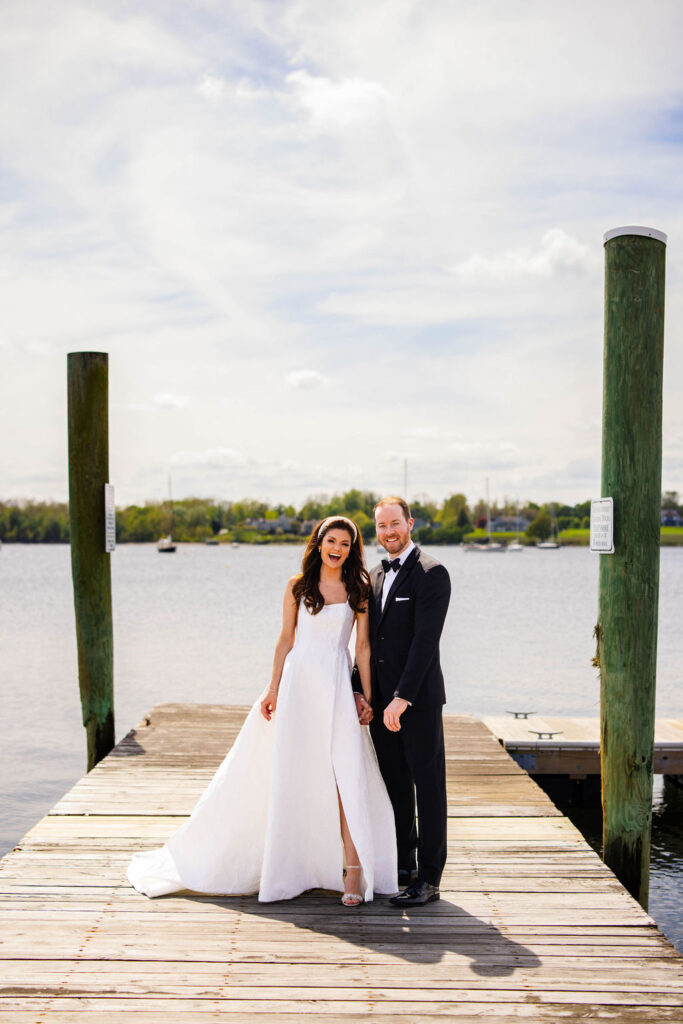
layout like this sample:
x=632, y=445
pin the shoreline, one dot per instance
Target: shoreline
x=670, y=536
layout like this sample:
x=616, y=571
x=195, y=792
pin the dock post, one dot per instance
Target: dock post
x=629, y=578
x=88, y=397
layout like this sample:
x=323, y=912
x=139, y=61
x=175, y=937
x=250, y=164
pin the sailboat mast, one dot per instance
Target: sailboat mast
x=170, y=508
x=488, y=511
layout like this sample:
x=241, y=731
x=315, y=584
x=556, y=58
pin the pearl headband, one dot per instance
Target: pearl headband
x=337, y=519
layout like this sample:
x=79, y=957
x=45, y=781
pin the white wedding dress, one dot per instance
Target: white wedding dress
x=268, y=822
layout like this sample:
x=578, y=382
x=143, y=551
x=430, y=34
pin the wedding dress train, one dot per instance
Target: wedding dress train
x=268, y=822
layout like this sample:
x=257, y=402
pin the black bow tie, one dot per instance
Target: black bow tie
x=395, y=564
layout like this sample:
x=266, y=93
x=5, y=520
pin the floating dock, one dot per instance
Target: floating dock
x=554, y=745
x=531, y=925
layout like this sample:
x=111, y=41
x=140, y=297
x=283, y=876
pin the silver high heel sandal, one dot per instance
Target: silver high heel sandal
x=352, y=899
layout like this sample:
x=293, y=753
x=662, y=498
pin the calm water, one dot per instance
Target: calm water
x=201, y=625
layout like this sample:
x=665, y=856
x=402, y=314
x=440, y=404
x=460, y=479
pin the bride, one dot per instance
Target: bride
x=300, y=792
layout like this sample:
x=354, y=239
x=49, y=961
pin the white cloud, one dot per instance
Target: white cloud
x=557, y=252
x=166, y=401
x=212, y=88
x=305, y=380
x=425, y=433
x=333, y=104
x=216, y=458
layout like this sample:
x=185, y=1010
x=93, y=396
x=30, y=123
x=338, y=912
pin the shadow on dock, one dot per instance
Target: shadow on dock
x=420, y=936
x=129, y=746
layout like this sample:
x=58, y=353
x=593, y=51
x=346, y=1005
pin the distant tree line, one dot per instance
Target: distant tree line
x=197, y=519
x=34, y=522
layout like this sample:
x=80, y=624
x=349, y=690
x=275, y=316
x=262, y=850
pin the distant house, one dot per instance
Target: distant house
x=283, y=524
x=509, y=524
x=671, y=517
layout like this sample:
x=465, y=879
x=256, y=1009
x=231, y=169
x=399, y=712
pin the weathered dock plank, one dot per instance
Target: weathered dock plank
x=531, y=925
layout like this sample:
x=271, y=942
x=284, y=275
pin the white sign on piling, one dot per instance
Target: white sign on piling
x=109, y=519
x=602, y=525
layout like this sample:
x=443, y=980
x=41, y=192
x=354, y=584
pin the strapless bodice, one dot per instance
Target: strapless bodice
x=331, y=627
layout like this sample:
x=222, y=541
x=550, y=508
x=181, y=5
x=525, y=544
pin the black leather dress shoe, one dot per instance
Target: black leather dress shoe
x=416, y=895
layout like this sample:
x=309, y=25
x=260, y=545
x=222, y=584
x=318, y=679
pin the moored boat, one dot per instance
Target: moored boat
x=491, y=546
x=166, y=545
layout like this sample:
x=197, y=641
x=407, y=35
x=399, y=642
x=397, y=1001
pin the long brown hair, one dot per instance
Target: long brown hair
x=354, y=574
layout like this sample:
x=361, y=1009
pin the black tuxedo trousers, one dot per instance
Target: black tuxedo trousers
x=405, y=637
x=413, y=767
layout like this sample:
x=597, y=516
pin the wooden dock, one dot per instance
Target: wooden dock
x=556, y=745
x=531, y=925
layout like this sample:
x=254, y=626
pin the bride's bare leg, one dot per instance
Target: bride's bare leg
x=352, y=879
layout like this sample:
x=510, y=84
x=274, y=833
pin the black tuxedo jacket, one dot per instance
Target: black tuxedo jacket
x=405, y=635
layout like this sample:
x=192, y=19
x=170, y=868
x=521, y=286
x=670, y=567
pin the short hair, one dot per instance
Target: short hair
x=393, y=500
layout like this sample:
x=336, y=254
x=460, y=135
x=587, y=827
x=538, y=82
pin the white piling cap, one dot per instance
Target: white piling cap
x=633, y=230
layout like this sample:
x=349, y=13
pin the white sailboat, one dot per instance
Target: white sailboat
x=491, y=546
x=553, y=542
x=166, y=545
x=516, y=546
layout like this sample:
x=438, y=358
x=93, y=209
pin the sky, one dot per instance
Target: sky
x=323, y=241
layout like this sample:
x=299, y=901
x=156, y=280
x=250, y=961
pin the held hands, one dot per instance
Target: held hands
x=363, y=708
x=393, y=712
x=268, y=703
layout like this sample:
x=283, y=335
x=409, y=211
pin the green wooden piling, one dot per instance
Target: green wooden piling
x=629, y=578
x=88, y=397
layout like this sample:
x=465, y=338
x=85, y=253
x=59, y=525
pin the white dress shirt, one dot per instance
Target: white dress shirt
x=391, y=575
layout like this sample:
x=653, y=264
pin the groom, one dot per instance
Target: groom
x=408, y=605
